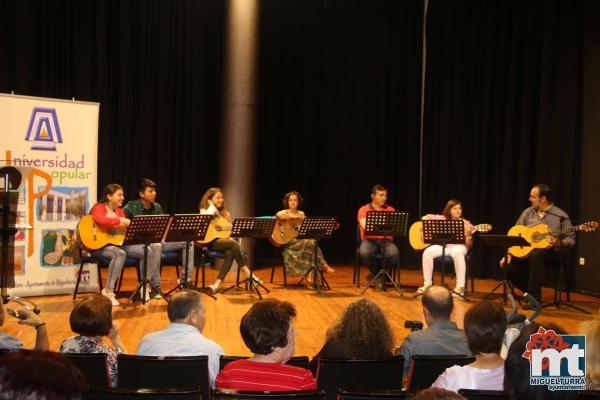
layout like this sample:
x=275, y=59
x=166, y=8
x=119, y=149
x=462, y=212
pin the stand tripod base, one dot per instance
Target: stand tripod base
x=558, y=302
x=507, y=287
x=317, y=275
x=141, y=290
x=384, y=275
x=186, y=285
x=252, y=285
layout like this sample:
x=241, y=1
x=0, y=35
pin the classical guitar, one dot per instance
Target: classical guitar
x=94, y=237
x=219, y=228
x=538, y=235
x=285, y=230
x=415, y=234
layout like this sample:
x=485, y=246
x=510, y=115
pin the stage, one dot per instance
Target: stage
x=316, y=312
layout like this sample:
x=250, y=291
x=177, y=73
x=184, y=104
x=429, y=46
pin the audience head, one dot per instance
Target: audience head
x=92, y=316
x=40, y=375
x=591, y=330
x=186, y=307
x=437, y=304
x=517, y=370
x=364, y=331
x=485, y=324
x=267, y=329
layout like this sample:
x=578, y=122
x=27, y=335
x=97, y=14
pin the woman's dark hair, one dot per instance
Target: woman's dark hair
x=146, y=183
x=40, y=375
x=451, y=203
x=92, y=316
x=364, y=330
x=287, y=196
x=485, y=324
x=109, y=190
x=265, y=326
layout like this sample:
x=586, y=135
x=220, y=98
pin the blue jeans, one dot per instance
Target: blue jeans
x=369, y=248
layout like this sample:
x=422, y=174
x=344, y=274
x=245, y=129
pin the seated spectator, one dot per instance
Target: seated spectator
x=361, y=332
x=591, y=330
x=517, y=370
x=268, y=332
x=91, y=319
x=442, y=336
x=8, y=342
x=485, y=324
x=183, y=336
x=436, y=394
x=40, y=375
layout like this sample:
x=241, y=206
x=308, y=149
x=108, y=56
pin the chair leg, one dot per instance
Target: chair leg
x=272, y=273
x=78, y=280
x=284, y=275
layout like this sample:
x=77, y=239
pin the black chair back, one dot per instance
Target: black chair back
x=470, y=394
x=298, y=361
x=381, y=374
x=588, y=394
x=93, y=366
x=164, y=372
x=374, y=395
x=296, y=395
x=144, y=394
x=424, y=370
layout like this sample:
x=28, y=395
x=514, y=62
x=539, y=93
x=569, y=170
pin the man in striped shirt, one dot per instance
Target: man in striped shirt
x=268, y=332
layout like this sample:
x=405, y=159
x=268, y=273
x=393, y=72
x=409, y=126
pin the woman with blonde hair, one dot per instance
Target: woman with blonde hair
x=213, y=203
x=361, y=332
x=591, y=330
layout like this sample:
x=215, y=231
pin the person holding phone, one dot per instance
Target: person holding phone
x=25, y=317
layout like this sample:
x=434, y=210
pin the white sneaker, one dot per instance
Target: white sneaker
x=422, y=289
x=257, y=279
x=214, y=287
x=111, y=297
x=458, y=291
x=147, y=297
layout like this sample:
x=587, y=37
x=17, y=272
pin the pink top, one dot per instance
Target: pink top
x=100, y=214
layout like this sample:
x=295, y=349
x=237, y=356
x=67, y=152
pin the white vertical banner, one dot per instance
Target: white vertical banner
x=56, y=141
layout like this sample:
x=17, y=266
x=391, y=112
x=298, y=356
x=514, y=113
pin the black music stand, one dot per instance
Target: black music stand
x=444, y=232
x=146, y=229
x=504, y=242
x=317, y=228
x=252, y=228
x=188, y=228
x=387, y=224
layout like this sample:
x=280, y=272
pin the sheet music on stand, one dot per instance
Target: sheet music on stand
x=317, y=227
x=188, y=227
x=440, y=231
x=388, y=224
x=258, y=228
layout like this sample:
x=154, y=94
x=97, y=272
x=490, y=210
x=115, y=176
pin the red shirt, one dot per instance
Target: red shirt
x=362, y=213
x=100, y=215
x=261, y=376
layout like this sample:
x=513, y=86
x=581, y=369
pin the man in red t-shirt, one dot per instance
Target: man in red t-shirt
x=371, y=245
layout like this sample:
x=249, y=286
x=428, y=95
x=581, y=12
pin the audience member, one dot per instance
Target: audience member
x=8, y=342
x=485, y=324
x=183, y=336
x=361, y=332
x=517, y=370
x=442, y=336
x=268, y=332
x=91, y=319
x=40, y=375
x=591, y=330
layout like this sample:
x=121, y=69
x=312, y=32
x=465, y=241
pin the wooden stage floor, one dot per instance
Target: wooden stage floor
x=316, y=312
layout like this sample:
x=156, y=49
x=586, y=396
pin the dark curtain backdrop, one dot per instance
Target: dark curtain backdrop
x=503, y=108
x=339, y=108
x=155, y=67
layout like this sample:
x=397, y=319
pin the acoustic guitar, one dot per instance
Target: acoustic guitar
x=219, y=228
x=285, y=230
x=415, y=234
x=94, y=237
x=538, y=235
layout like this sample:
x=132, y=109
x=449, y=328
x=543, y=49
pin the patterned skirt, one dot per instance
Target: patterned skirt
x=299, y=256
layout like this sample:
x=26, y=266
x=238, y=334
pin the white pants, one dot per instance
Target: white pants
x=457, y=252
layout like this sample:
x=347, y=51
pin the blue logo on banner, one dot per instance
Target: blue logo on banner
x=43, y=130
